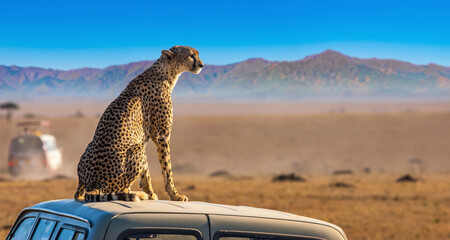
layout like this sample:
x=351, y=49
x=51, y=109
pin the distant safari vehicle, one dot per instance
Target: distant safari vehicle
x=33, y=151
x=156, y=219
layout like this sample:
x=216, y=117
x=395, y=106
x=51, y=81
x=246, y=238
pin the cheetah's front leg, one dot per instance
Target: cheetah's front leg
x=146, y=183
x=163, y=148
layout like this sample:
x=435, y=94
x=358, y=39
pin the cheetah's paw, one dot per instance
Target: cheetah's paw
x=181, y=198
x=141, y=195
x=153, y=196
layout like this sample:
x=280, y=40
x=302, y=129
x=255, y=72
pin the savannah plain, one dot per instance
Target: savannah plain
x=375, y=143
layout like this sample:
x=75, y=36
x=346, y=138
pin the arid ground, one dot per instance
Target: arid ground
x=267, y=144
x=377, y=146
x=374, y=207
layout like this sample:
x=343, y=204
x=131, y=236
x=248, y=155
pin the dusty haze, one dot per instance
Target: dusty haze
x=265, y=139
x=253, y=142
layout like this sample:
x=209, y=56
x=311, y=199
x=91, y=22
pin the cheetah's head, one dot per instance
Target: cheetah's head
x=185, y=58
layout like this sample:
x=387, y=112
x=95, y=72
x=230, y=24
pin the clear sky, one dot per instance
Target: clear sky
x=73, y=34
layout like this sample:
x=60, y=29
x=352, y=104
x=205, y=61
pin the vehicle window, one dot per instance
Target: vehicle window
x=78, y=236
x=26, y=144
x=154, y=236
x=23, y=229
x=44, y=229
x=69, y=234
x=66, y=234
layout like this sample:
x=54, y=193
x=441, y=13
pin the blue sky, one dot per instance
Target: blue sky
x=66, y=34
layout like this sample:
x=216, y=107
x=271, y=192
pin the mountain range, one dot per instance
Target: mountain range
x=327, y=75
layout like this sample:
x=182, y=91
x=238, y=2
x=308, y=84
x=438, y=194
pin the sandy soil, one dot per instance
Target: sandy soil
x=254, y=147
x=374, y=207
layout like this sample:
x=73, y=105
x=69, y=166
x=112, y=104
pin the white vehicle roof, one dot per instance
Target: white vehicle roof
x=102, y=212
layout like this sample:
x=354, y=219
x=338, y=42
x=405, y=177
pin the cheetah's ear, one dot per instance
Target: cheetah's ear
x=167, y=53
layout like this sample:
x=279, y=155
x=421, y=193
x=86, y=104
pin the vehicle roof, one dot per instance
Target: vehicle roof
x=34, y=123
x=96, y=211
x=41, y=136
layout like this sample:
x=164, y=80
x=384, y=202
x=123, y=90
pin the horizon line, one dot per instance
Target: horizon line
x=247, y=59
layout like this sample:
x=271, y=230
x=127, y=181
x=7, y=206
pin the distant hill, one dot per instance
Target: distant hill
x=328, y=75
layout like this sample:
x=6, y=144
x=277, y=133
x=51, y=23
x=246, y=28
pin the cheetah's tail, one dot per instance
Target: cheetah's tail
x=110, y=197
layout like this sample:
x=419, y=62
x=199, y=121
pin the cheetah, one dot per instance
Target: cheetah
x=116, y=157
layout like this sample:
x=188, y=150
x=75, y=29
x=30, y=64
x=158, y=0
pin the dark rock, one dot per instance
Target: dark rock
x=56, y=177
x=4, y=179
x=220, y=173
x=342, y=172
x=288, y=177
x=5, y=227
x=407, y=178
x=341, y=185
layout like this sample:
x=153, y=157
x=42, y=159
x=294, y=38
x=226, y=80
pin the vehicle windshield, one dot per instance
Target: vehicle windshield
x=26, y=144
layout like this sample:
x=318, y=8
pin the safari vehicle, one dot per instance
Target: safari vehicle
x=158, y=219
x=33, y=150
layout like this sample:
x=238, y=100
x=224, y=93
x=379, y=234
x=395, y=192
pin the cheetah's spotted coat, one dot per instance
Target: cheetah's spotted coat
x=116, y=156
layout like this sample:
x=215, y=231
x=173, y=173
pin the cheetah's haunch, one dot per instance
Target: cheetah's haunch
x=115, y=157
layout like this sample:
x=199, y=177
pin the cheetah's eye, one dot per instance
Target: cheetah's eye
x=192, y=56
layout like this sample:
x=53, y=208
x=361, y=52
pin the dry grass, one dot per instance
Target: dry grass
x=374, y=208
